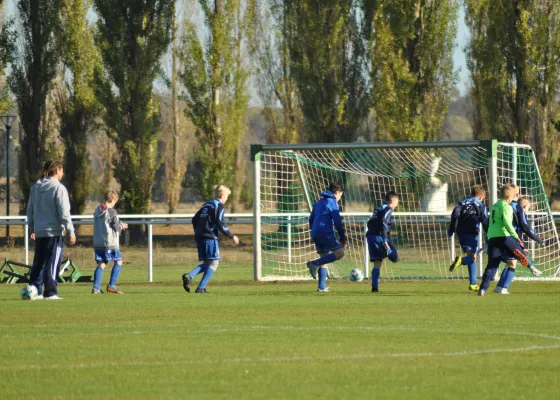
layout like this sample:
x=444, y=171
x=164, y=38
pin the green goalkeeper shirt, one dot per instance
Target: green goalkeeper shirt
x=501, y=221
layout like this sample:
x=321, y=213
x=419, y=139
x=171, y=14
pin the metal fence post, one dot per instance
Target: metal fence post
x=150, y=253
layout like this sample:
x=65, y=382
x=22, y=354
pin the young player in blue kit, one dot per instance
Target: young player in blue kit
x=324, y=215
x=466, y=219
x=207, y=222
x=520, y=206
x=379, y=243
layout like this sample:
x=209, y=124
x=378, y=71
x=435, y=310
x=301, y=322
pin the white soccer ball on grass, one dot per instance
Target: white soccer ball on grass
x=28, y=292
x=356, y=275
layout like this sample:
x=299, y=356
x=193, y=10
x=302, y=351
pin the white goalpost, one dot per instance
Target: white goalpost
x=430, y=177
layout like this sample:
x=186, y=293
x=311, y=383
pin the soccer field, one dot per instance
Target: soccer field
x=249, y=340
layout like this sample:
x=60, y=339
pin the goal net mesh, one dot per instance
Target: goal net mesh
x=430, y=181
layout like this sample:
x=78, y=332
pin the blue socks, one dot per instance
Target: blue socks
x=97, y=276
x=326, y=259
x=323, y=272
x=375, y=272
x=197, y=270
x=208, y=272
x=469, y=261
x=510, y=274
x=115, y=272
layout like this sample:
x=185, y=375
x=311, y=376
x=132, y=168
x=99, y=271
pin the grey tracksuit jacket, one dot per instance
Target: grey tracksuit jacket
x=48, y=209
x=106, y=228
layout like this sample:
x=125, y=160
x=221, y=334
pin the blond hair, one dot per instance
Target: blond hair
x=221, y=191
x=111, y=196
x=507, y=192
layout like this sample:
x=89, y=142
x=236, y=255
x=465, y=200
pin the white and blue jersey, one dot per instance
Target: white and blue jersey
x=521, y=224
x=207, y=223
x=324, y=215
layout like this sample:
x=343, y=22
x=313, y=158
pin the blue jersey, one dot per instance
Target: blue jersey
x=381, y=222
x=324, y=215
x=521, y=224
x=467, y=216
x=209, y=220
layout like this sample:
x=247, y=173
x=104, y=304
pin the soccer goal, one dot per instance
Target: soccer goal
x=430, y=178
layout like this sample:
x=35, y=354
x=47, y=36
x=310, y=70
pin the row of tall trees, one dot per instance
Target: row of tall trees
x=514, y=59
x=325, y=71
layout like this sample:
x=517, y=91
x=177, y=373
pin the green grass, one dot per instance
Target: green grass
x=432, y=340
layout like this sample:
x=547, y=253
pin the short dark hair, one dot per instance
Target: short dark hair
x=336, y=187
x=390, y=196
x=50, y=167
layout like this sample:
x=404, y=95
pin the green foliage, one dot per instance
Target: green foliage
x=75, y=99
x=132, y=36
x=7, y=49
x=214, y=79
x=328, y=60
x=514, y=59
x=412, y=66
x=272, y=63
x=31, y=80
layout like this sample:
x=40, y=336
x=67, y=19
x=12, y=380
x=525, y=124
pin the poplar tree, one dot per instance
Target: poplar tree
x=214, y=78
x=30, y=81
x=328, y=61
x=514, y=60
x=132, y=37
x=75, y=100
x=411, y=66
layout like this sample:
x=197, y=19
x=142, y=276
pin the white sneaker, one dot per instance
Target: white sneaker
x=325, y=290
x=535, y=271
x=503, y=291
x=53, y=297
x=481, y=292
x=498, y=289
x=40, y=297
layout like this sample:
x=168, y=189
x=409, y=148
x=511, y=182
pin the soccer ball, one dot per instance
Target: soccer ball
x=28, y=292
x=356, y=275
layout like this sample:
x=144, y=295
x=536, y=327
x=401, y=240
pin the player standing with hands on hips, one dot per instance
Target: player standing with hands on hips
x=206, y=223
x=48, y=215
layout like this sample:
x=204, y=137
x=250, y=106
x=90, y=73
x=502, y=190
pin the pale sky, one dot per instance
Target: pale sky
x=459, y=60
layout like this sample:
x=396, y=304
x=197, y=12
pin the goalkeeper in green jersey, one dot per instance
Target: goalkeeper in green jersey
x=503, y=242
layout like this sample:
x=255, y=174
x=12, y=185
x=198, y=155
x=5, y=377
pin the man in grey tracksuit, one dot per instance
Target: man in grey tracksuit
x=48, y=215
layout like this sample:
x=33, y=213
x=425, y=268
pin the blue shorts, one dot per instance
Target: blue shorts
x=208, y=249
x=106, y=256
x=501, y=248
x=326, y=242
x=468, y=242
x=378, y=251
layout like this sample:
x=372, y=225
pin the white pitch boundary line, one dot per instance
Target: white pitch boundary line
x=264, y=328
x=306, y=358
x=253, y=360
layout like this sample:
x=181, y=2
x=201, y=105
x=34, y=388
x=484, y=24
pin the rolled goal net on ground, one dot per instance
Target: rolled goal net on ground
x=430, y=179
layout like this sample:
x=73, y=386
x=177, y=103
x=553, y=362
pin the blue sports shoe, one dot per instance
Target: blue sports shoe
x=312, y=269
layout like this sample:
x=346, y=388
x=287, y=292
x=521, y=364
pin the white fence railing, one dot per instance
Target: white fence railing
x=162, y=219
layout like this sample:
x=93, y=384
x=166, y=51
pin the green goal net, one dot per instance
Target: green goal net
x=430, y=179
